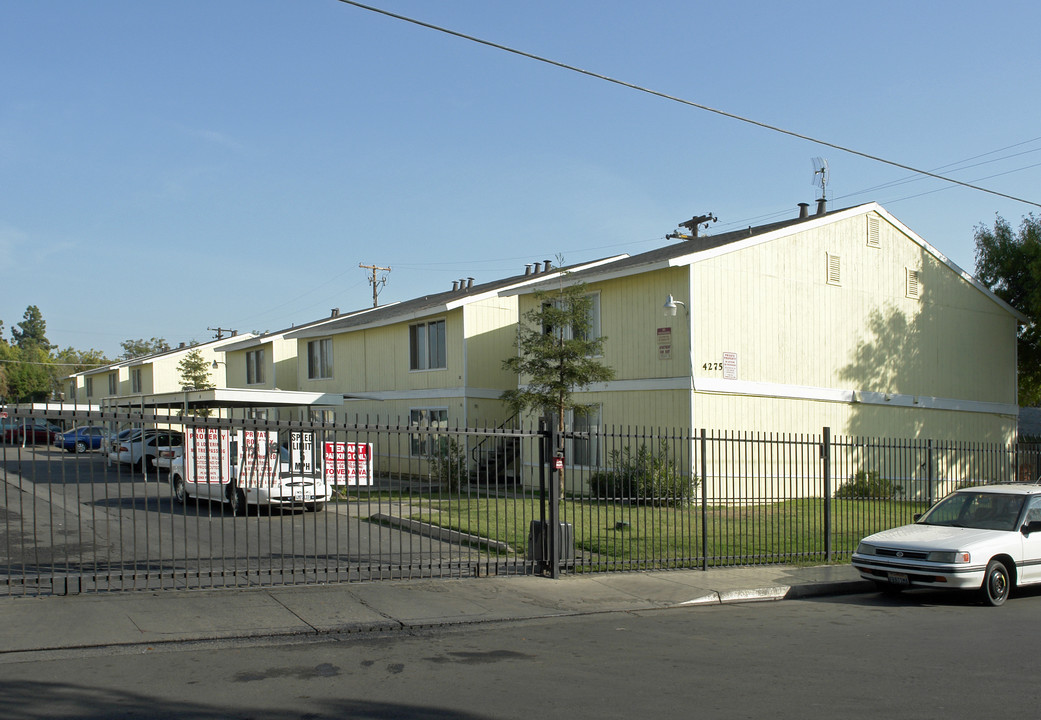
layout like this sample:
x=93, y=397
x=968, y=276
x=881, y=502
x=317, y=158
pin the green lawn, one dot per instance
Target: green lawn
x=608, y=533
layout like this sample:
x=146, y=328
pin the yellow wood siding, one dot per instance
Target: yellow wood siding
x=491, y=331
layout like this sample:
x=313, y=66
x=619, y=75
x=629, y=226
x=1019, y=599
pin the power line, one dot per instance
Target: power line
x=682, y=101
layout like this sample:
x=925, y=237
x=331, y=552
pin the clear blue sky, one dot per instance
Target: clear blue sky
x=168, y=167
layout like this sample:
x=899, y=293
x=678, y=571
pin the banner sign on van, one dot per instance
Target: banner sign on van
x=206, y=456
x=348, y=463
x=258, y=458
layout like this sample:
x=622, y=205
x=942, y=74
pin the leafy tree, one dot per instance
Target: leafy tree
x=28, y=374
x=556, y=355
x=195, y=372
x=1009, y=263
x=139, y=348
x=31, y=331
x=70, y=361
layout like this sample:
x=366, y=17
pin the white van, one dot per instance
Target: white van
x=252, y=469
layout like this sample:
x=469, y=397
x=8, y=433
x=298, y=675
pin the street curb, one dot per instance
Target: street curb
x=845, y=587
x=439, y=533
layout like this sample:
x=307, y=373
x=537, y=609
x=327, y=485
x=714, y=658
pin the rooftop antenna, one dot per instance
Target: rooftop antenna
x=820, y=176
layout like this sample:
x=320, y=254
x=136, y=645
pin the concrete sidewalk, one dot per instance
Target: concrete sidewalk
x=34, y=624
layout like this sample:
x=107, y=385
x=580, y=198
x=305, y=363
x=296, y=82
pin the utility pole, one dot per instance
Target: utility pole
x=220, y=332
x=376, y=283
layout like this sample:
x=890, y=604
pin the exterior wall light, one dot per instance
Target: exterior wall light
x=670, y=306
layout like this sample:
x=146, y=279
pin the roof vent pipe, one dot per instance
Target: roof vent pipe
x=536, y=268
x=455, y=285
x=527, y=269
x=549, y=264
x=822, y=206
x=469, y=283
x=335, y=312
x=804, y=210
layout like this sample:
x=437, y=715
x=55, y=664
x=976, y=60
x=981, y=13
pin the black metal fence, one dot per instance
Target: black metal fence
x=411, y=501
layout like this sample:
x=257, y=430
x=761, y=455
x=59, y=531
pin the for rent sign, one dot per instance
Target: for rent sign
x=206, y=456
x=348, y=463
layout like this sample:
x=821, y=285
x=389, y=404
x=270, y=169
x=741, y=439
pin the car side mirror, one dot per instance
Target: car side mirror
x=916, y=517
x=1031, y=527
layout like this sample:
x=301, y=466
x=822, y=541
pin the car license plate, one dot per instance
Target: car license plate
x=899, y=579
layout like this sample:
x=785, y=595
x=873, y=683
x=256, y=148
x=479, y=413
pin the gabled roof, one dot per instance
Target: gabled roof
x=434, y=303
x=145, y=359
x=257, y=340
x=700, y=249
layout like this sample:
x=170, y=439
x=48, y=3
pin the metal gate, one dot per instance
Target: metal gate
x=405, y=501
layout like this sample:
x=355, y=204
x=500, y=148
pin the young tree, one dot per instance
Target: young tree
x=1009, y=263
x=195, y=372
x=556, y=355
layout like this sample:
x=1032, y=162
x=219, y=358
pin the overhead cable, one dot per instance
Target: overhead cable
x=682, y=101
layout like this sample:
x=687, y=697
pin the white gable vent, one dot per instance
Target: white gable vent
x=834, y=269
x=914, y=284
x=873, y=239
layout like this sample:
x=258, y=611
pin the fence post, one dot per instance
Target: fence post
x=826, y=458
x=544, y=455
x=553, y=529
x=929, y=471
x=704, y=500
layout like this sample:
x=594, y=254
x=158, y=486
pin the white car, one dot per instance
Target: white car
x=144, y=448
x=985, y=538
x=288, y=489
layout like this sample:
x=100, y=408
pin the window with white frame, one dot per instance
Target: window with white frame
x=592, y=331
x=255, y=366
x=90, y=387
x=427, y=346
x=113, y=383
x=135, y=380
x=72, y=391
x=320, y=359
x=585, y=445
x=421, y=444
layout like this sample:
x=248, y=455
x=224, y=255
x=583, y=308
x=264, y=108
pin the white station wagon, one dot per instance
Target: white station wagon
x=985, y=538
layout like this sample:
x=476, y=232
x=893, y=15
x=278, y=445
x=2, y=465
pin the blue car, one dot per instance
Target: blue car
x=82, y=439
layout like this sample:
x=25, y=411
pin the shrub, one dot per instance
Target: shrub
x=448, y=464
x=867, y=484
x=643, y=476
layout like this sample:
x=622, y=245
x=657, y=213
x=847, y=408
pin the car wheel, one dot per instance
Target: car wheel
x=237, y=500
x=180, y=492
x=81, y=447
x=997, y=583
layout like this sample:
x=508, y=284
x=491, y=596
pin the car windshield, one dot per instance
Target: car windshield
x=983, y=510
